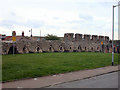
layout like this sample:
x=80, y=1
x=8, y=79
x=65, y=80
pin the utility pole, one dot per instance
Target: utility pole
x=113, y=38
x=31, y=32
x=40, y=35
x=113, y=34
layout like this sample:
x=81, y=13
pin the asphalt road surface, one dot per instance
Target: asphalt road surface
x=103, y=81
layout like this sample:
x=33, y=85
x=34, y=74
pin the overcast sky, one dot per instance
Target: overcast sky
x=58, y=17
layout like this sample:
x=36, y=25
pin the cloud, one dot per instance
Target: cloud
x=30, y=23
x=86, y=17
x=34, y=23
x=52, y=27
x=8, y=23
x=57, y=17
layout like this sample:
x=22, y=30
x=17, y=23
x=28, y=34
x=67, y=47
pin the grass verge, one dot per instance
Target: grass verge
x=22, y=66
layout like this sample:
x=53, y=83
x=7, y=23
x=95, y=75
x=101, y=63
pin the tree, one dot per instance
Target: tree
x=51, y=37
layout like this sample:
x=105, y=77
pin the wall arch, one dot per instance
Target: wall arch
x=79, y=48
x=25, y=50
x=91, y=48
x=38, y=49
x=61, y=49
x=11, y=50
x=85, y=48
x=51, y=49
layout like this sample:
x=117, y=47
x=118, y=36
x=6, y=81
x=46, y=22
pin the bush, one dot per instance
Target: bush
x=51, y=37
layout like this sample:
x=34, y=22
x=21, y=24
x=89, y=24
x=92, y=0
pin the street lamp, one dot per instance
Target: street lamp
x=113, y=35
x=40, y=35
x=31, y=32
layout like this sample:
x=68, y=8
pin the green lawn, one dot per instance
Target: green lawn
x=22, y=66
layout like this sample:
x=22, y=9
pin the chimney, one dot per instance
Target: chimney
x=22, y=33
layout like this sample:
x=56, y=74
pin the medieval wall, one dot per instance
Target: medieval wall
x=68, y=43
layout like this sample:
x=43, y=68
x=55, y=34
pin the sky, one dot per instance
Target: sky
x=57, y=17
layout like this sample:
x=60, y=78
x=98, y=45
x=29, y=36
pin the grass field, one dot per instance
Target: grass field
x=22, y=66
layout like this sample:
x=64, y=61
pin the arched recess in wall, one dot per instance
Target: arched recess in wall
x=38, y=49
x=70, y=49
x=85, y=48
x=107, y=49
x=11, y=50
x=25, y=50
x=98, y=48
x=79, y=48
x=51, y=49
x=91, y=48
x=61, y=48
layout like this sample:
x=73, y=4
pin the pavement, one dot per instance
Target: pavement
x=46, y=81
x=109, y=80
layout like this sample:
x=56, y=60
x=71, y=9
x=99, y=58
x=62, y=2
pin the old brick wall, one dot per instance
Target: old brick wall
x=68, y=43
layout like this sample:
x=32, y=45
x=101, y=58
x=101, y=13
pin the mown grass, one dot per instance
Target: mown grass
x=22, y=66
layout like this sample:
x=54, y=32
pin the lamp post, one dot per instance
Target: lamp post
x=40, y=35
x=31, y=32
x=113, y=35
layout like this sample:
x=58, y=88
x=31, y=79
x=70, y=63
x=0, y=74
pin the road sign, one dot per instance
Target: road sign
x=13, y=38
x=102, y=43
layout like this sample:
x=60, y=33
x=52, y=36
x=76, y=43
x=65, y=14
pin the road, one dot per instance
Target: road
x=103, y=81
